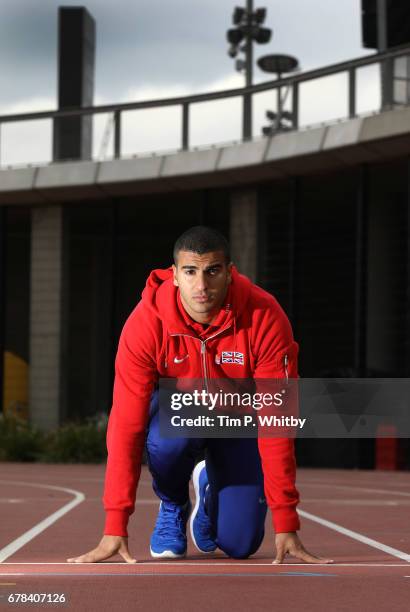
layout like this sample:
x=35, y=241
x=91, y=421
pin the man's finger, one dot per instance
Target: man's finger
x=80, y=559
x=91, y=557
x=125, y=554
x=306, y=556
x=280, y=555
x=127, y=557
x=87, y=558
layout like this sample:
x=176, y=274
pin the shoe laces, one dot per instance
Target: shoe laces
x=172, y=519
x=203, y=522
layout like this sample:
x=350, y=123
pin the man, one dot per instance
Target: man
x=200, y=319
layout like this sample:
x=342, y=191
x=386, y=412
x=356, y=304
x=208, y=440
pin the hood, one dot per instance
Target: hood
x=160, y=297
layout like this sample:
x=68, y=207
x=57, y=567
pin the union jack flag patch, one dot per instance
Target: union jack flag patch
x=232, y=357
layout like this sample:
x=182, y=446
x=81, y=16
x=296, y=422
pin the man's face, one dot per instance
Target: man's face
x=203, y=282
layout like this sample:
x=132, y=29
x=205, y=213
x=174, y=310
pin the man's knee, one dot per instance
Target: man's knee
x=240, y=548
x=166, y=452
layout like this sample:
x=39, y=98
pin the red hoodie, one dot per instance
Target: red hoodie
x=154, y=343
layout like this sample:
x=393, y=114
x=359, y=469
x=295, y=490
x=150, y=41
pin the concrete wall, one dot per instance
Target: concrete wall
x=45, y=316
x=244, y=231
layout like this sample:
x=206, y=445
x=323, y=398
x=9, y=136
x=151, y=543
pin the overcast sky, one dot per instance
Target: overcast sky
x=156, y=48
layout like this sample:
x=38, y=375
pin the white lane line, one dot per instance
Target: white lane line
x=365, y=483
x=21, y=541
x=356, y=502
x=144, y=483
x=216, y=563
x=5, y=500
x=352, y=534
x=362, y=489
x=356, y=536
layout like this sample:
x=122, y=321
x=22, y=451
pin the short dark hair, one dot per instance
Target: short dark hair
x=201, y=239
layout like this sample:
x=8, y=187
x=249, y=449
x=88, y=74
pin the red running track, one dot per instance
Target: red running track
x=360, y=519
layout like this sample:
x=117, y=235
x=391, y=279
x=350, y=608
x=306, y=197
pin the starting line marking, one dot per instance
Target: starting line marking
x=21, y=541
x=205, y=563
x=187, y=575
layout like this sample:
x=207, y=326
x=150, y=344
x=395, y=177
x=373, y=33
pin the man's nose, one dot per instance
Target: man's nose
x=202, y=283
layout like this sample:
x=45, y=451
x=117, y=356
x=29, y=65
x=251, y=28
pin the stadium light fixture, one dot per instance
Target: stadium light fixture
x=281, y=120
x=233, y=51
x=247, y=31
x=260, y=15
x=240, y=65
x=272, y=116
x=235, y=36
x=262, y=35
x=238, y=15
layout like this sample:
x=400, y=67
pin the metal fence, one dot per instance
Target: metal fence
x=393, y=91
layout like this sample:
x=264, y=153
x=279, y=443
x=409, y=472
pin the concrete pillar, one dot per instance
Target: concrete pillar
x=45, y=316
x=244, y=231
x=76, y=59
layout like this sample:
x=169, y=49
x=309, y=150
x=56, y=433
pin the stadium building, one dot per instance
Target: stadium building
x=318, y=216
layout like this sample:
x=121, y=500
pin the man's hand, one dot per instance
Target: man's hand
x=109, y=546
x=289, y=543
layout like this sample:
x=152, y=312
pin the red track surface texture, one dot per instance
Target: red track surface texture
x=360, y=519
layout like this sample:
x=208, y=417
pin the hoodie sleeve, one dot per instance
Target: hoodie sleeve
x=275, y=347
x=135, y=377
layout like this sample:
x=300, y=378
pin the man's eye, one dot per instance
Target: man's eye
x=190, y=272
x=213, y=271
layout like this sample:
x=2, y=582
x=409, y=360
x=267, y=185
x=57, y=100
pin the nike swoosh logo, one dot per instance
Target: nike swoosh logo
x=177, y=360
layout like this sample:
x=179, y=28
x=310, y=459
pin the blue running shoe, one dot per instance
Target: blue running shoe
x=168, y=539
x=200, y=524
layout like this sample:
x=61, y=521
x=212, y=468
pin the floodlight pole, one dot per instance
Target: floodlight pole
x=382, y=46
x=247, y=98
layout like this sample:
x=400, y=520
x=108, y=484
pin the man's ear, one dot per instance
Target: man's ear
x=174, y=270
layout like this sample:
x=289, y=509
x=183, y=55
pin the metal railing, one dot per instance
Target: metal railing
x=293, y=82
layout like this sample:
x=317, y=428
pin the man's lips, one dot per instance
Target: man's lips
x=201, y=298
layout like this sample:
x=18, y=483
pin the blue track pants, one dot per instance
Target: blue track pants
x=235, y=502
